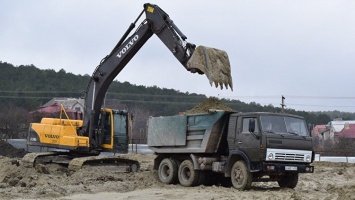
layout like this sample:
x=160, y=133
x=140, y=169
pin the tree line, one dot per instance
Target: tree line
x=25, y=88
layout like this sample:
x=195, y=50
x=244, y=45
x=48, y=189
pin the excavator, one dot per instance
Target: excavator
x=80, y=142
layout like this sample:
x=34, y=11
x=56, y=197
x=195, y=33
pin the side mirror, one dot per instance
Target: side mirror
x=251, y=125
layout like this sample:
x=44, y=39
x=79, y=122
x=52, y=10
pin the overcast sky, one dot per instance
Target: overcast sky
x=302, y=49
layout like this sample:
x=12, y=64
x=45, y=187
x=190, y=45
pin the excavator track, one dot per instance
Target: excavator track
x=32, y=159
x=114, y=163
x=111, y=163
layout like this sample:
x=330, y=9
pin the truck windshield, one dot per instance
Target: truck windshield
x=283, y=125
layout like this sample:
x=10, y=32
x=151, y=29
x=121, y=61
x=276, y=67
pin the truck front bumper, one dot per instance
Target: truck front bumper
x=287, y=167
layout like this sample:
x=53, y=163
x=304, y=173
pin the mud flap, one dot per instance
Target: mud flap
x=214, y=63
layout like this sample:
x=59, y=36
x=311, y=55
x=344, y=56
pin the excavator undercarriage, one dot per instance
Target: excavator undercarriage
x=75, y=162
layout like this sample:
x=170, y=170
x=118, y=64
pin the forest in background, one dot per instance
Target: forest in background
x=25, y=88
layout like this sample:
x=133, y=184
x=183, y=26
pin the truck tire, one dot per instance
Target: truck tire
x=240, y=176
x=288, y=181
x=168, y=171
x=187, y=175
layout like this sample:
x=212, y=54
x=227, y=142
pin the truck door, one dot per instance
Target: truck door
x=246, y=141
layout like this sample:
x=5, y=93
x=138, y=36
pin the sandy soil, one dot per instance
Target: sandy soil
x=330, y=181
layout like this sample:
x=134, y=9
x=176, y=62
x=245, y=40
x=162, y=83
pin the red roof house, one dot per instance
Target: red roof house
x=347, y=132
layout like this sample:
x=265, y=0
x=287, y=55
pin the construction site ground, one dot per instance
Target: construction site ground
x=329, y=181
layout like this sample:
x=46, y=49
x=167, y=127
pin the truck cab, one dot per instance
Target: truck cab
x=274, y=146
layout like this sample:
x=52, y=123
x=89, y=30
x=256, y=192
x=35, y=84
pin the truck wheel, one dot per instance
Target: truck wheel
x=240, y=177
x=168, y=171
x=288, y=181
x=187, y=175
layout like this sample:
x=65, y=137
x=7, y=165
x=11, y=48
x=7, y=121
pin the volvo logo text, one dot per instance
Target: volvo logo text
x=51, y=136
x=128, y=46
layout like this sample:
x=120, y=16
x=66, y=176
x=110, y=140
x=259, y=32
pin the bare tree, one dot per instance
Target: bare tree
x=140, y=118
x=13, y=122
x=345, y=146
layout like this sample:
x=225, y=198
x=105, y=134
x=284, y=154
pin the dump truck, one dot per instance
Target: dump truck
x=230, y=148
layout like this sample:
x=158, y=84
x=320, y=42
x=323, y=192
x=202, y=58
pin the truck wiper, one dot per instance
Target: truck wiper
x=269, y=131
x=293, y=133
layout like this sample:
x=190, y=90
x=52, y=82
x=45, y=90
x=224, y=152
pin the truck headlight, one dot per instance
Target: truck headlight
x=308, y=158
x=270, y=156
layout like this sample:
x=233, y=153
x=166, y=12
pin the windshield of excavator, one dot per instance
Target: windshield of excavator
x=283, y=125
x=120, y=131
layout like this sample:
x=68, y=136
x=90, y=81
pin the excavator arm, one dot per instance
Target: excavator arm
x=159, y=23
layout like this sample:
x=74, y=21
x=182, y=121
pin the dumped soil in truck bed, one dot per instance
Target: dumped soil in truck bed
x=8, y=150
x=210, y=103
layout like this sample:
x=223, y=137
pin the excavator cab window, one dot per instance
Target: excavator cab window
x=120, y=132
x=107, y=128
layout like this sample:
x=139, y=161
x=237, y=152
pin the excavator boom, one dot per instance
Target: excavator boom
x=212, y=62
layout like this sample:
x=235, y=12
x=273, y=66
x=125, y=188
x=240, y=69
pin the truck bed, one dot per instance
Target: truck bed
x=193, y=133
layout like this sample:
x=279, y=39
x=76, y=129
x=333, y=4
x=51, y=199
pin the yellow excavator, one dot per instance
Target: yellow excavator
x=80, y=142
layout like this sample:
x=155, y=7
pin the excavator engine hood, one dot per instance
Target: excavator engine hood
x=212, y=62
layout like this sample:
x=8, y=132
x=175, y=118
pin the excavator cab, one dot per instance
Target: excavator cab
x=116, y=128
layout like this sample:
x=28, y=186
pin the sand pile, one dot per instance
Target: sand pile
x=210, y=103
x=8, y=150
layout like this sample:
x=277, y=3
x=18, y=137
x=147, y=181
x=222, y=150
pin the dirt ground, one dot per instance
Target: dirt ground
x=329, y=181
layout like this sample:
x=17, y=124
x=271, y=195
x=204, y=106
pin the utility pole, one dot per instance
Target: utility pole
x=282, y=103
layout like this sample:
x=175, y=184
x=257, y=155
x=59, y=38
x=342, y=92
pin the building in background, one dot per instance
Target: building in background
x=73, y=108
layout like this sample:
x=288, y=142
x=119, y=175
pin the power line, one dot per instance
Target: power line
x=170, y=102
x=197, y=97
x=38, y=92
x=323, y=105
x=236, y=97
x=290, y=96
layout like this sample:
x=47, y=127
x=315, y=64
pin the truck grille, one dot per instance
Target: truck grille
x=289, y=157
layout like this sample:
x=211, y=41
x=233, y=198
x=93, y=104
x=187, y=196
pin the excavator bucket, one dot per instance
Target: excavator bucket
x=214, y=63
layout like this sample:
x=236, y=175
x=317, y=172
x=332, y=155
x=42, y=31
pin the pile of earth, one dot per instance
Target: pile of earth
x=8, y=150
x=210, y=103
x=52, y=181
